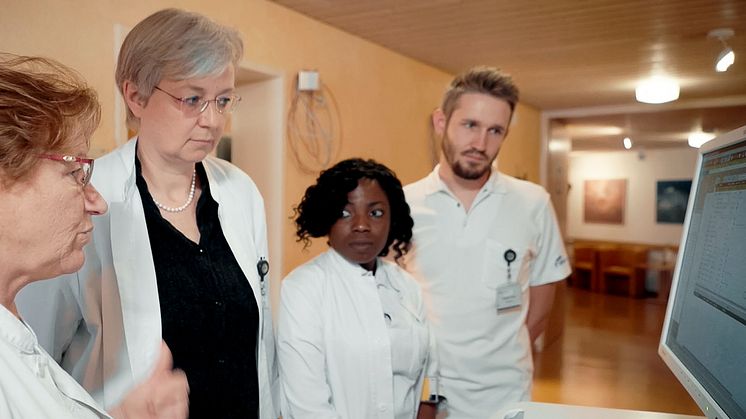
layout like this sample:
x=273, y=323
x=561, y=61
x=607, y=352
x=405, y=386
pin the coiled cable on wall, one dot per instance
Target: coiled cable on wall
x=314, y=128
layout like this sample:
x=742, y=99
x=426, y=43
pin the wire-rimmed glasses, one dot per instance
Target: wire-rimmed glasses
x=83, y=176
x=195, y=105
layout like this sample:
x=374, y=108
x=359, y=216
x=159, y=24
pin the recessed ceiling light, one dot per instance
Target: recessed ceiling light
x=657, y=89
x=627, y=143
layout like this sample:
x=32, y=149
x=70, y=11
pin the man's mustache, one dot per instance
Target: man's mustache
x=474, y=151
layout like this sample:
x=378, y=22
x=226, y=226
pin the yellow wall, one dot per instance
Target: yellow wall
x=384, y=98
x=520, y=154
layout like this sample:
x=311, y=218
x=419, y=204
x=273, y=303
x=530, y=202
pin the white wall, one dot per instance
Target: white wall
x=642, y=174
x=257, y=128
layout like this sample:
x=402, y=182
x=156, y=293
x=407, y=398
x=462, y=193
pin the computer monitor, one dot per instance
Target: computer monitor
x=704, y=333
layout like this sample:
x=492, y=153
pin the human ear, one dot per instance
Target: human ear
x=439, y=122
x=132, y=98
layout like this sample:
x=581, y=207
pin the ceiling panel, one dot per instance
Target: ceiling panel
x=563, y=54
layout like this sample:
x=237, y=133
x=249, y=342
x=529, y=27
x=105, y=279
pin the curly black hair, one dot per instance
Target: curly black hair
x=322, y=204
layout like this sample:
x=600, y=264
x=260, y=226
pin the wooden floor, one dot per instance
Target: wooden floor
x=607, y=357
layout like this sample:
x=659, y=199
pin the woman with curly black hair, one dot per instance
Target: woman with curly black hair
x=352, y=337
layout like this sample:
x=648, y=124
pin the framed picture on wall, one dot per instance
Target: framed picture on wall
x=604, y=201
x=671, y=197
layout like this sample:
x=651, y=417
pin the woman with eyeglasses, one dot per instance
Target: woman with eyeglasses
x=47, y=115
x=177, y=255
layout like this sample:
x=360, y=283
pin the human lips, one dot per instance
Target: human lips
x=86, y=234
x=361, y=245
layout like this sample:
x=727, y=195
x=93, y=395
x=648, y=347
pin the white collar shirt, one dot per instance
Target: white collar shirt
x=458, y=257
x=32, y=385
x=351, y=344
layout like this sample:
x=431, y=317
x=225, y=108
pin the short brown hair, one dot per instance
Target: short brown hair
x=174, y=44
x=44, y=105
x=486, y=80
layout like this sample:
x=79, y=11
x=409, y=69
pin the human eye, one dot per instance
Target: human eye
x=496, y=130
x=377, y=213
x=192, y=101
x=469, y=124
x=345, y=214
x=223, y=101
x=77, y=174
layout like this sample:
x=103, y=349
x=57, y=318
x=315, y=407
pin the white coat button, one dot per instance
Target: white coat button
x=382, y=407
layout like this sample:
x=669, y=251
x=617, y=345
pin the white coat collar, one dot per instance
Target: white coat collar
x=382, y=275
x=16, y=332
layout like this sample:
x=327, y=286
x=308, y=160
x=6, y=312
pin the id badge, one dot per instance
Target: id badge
x=508, y=296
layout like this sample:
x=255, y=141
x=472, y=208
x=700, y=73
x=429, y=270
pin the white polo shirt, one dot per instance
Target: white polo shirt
x=459, y=258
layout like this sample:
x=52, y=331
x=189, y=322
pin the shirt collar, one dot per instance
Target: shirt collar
x=434, y=183
x=381, y=276
x=15, y=331
x=350, y=266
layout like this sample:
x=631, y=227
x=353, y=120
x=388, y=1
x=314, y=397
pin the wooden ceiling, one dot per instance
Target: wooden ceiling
x=568, y=56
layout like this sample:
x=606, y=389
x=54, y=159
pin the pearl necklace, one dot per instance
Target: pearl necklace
x=189, y=199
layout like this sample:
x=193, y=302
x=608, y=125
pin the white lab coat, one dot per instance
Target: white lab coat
x=32, y=385
x=338, y=357
x=103, y=324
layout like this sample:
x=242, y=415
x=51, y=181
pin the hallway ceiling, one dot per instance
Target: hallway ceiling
x=572, y=58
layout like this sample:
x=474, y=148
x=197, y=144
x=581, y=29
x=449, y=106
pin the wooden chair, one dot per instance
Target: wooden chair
x=585, y=265
x=623, y=264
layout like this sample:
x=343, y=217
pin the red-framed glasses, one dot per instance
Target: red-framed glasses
x=83, y=175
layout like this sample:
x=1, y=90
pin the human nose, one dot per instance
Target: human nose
x=479, y=141
x=94, y=202
x=210, y=115
x=360, y=224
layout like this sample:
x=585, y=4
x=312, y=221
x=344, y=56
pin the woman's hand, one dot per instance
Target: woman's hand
x=165, y=395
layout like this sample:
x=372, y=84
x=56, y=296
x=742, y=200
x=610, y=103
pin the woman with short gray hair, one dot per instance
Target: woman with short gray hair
x=180, y=255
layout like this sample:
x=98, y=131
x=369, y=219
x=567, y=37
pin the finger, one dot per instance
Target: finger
x=177, y=409
x=165, y=360
x=170, y=389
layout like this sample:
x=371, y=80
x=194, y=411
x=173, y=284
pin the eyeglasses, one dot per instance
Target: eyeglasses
x=82, y=175
x=195, y=105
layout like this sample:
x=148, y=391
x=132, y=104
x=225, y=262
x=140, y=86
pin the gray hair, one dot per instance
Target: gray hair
x=178, y=45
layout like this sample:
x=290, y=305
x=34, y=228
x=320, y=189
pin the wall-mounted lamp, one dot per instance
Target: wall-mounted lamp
x=657, y=89
x=727, y=57
x=697, y=138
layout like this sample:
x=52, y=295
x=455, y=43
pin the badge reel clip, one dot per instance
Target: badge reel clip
x=262, y=267
x=509, y=294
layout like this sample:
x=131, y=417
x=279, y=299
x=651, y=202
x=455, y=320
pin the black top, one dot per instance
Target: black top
x=209, y=315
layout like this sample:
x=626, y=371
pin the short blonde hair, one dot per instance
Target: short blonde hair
x=44, y=106
x=486, y=80
x=178, y=45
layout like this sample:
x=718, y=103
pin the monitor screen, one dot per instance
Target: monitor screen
x=704, y=334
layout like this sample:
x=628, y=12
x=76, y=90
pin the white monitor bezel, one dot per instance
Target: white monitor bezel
x=703, y=399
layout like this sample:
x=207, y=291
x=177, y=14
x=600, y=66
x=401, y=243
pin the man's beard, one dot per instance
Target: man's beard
x=463, y=170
